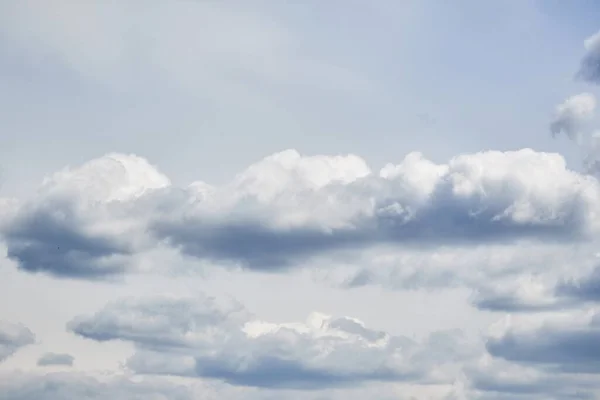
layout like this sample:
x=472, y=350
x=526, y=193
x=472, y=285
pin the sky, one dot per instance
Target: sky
x=299, y=200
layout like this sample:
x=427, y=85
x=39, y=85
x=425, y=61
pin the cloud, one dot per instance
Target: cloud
x=585, y=288
x=589, y=69
x=527, y=293
x=480, y=198
x=497, y=379
x=12, y=338
x=56, y=359
x=67, y=386
x=521, y=294
x=92, y=221
x=81, y=223
x=563, y=343
x=198, y=337
x=573, y=115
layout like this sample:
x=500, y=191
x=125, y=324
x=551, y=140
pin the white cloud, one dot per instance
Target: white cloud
x=573, y=116
x=289, y=208
x=82, y=222
x=197, y=337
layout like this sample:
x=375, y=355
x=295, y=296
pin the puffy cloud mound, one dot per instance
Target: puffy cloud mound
x=88, y=222
x=490, y=197
x=12, y=338
x=48, y=359
x=82, y=222
x=571, y=117
x=200, y=337
x=589, y=69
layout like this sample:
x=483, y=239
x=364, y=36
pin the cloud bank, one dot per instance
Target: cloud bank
x=288, y=208
x=198, y=337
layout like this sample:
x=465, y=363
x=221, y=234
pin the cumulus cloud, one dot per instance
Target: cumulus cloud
x=573, y=116
x=82, y=223
x=480, y=198
x=589, y=69
x=89, y=221
x=12, y=338
x=202, y=338
x=48, y=359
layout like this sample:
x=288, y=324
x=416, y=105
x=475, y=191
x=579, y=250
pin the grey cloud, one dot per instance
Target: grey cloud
x=288, y=208
x=586, y=288
x=75, y=386
x=12, y=338
x=488, y=385
x=490, y=298
x=260, y=248
x=563, y=349
x=562, y=294
x=52, y=240
x=589, y=69
x=84, y=222
x=485, y=213
x=48, y=359
x=508, y=303
x=194, y=337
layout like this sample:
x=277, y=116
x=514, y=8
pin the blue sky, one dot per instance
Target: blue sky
x=339, y=199
x=481, y=73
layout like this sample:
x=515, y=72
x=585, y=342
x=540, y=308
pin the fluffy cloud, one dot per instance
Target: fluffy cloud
x=12, y=338
x=48, y=359
x=88, y=222
x=82, y=222
x=480, y=198
x=222, y=341
x=589, y=70
x=573, y=115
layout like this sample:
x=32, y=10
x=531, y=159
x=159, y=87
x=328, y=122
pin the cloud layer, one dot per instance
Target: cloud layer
x=289, y=208
x=201, y=338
